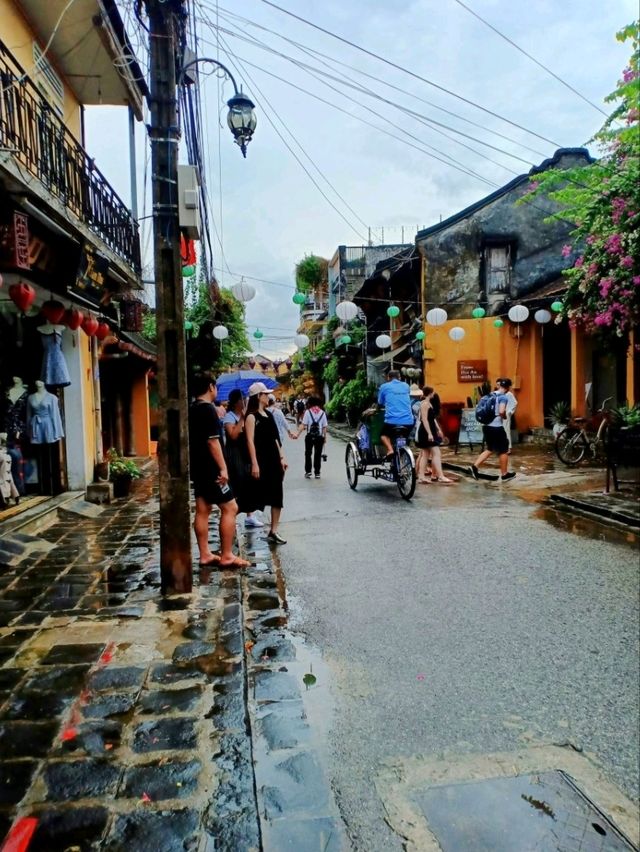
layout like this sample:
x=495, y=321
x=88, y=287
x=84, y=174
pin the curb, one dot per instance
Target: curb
x=598, y=512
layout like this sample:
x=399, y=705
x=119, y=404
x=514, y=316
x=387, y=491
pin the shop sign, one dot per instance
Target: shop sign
x=92, y=276
x=21, y=240
x=472, y=371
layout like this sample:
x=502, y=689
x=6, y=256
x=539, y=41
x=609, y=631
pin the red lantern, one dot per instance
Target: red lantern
x=102, y=331
x=90, y=325
x=73, y=318
x=22, y=295
x=53, y=310
x=251, y=362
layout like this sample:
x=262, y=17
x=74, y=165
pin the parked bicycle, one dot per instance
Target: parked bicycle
x=579, y=438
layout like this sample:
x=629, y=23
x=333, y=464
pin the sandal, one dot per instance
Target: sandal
x=424, y=481
x=215, y=559
x=235, y=563
x=442, y=480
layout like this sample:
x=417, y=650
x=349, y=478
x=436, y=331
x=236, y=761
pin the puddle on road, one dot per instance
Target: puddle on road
x=586, y=527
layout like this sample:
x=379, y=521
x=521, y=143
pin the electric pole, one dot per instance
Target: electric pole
x=173, y=437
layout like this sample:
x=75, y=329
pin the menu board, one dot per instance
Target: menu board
x=470, y=429
x=472, y=371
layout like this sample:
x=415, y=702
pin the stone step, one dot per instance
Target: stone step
x=16, y=546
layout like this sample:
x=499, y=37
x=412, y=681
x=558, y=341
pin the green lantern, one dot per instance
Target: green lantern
x=478, y=313
x=557, y=306
x=393, y=311
x=498, y=323
x=298, y=298
x=188, y=271
x=346, y=339
x=188, y=325
x=420, y=335
x=258, y=334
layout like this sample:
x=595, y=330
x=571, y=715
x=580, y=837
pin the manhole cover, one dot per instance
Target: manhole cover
x=543, y=812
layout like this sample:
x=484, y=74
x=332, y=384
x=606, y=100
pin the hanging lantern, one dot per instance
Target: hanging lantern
x=478, y=313
x=326, y=359
x=301, y=340
x=345, y=339
x=301, y=364
x=346, y=311
x=542, y=316
x=73, y=318
x=383, y=341
x=243, y=292
x=102, y=331
x=89, y=325
x=299, y=298
x=437, y=316
x=288, y=363
x=276, y=364
x=258, y=334
x=393, y=311
x=420, y=335
x=53, y=310
x=22, y=295
x=188, y=271
x=498, y=323
x=251, y=362
x=188, y=326
x=518, y=313
x=221, y=332
x=557, y=306
x=131, y=315
x=456, y=333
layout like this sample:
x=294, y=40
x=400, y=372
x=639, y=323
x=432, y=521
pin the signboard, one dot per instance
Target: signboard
x=472, y=371
x=470, y=429
x=21, y=241
x=91, y=277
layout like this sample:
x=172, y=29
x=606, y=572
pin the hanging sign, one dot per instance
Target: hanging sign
x=472, y=371
x=91, y=277
x=21, y=241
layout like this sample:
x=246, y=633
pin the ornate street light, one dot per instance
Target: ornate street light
x=241, y=117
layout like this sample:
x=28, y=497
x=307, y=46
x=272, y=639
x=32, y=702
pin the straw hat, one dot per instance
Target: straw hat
x=415, y=390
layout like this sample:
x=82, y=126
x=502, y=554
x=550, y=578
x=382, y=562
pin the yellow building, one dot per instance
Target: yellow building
x=67, y=242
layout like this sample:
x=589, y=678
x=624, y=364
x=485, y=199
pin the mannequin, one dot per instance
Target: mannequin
x=8, y=489
x=15, y=414
x=43, y=416
x=17, y=389
x=55, y=372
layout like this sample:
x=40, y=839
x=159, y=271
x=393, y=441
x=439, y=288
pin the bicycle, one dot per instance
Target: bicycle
x=574, y=441
x=401, y=468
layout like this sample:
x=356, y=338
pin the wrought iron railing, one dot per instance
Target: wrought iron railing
x=39, y=142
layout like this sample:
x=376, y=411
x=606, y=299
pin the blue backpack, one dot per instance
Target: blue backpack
x=486, y=409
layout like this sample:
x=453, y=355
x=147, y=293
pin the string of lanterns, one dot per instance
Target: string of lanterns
x=23, y=296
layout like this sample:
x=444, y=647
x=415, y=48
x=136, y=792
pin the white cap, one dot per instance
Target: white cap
x=258, y=387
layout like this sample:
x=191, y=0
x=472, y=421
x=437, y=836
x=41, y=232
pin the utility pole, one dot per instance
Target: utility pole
x=173, y=438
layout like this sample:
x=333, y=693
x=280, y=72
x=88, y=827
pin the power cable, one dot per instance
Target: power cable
x=410, y=73
x=532, y=58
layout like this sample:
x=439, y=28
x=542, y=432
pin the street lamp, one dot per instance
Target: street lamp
x=241, y=117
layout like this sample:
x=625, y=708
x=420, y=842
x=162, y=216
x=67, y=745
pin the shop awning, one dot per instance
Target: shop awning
x=131, y=341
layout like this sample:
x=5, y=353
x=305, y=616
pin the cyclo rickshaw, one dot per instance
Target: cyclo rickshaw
x=365, y=456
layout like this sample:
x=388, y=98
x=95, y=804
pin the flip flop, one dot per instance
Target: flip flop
x=236, y=563
x=443, y=481
x=215, y=559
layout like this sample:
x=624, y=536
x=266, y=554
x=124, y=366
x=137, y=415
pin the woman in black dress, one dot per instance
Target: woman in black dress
x=268, y=463
x=237, y=456
x=429, y=437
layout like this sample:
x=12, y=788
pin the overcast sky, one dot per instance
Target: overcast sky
x=272, y=214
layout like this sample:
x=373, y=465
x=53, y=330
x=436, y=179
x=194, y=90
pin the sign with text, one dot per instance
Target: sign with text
x=92, y=276
x=21, y=240
x=472, y=371
x=470, y=429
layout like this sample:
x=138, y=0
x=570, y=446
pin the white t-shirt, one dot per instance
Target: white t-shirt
x=316, y=415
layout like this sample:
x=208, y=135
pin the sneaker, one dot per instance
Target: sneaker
x=507, y=476
x=474, y=472
x=307, y=476
x=253, y=523
x=275, y=538
x=317, y=476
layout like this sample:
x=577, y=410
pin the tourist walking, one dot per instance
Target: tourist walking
x=314, y=422
x=429, y=439
x=237, y=456
x=210, y=477
x=268, y=464
x=495, y=437
x=512, y=404
x=280, y=419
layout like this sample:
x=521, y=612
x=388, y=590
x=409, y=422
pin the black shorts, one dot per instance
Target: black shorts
x=496, y=439
x=390, y=430
x=211, y=492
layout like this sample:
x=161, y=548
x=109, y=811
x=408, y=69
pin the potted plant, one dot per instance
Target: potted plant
x=559, y=416
x=122, y=472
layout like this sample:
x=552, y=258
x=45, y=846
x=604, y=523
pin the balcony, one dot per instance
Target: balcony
x=38, y=142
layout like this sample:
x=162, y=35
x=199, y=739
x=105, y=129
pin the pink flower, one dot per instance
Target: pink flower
x=605, y=287
x=592, y=269
x=636, y=280
x=579, y=262
x=627, y=261
x=628, y=75
x=535, y=184
x=613, y=244
x=566, y=250
x=591, y=240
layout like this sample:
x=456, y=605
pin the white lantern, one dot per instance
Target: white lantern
x=436, y=316
x=383, y=341
x=456, y=333
x=346, y=311
x=542, y=316
x=243, y=292
x=301, y=340
x=221, y=332
x=518, y=313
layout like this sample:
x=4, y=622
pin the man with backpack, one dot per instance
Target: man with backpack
x=491, y=411
x=315, y=423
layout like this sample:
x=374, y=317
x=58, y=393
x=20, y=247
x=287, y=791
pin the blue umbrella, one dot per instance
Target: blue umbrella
x=241, y=380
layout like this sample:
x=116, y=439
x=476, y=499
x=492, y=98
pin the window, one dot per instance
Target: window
x=497, y=261
x=47, y=80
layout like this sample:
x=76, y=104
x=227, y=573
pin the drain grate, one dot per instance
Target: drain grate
x=545, y=812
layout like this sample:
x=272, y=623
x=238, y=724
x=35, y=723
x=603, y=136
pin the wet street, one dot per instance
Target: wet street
x=464, y=624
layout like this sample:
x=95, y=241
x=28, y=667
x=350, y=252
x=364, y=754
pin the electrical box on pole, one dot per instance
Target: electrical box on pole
x=189, y=201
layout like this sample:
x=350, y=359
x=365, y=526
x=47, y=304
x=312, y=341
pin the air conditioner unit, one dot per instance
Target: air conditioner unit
x=189, y=201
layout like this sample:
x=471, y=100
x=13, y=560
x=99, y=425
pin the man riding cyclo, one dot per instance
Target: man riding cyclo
x=394, y=396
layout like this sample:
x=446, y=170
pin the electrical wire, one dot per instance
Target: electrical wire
x=532, y=58
x=409, y=72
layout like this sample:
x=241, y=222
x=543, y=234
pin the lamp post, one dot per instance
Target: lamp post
x=164, y=134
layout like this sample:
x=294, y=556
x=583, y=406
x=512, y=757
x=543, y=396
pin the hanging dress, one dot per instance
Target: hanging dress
x=15, y=420
x=44, y=421
x=55, y=373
